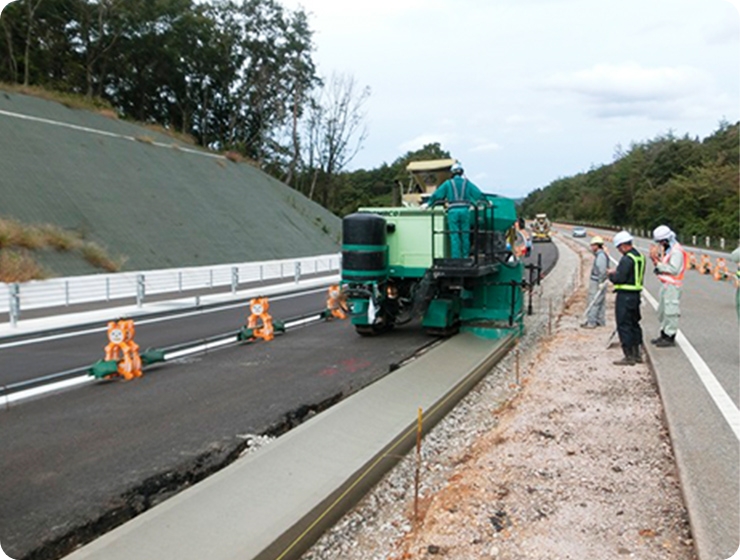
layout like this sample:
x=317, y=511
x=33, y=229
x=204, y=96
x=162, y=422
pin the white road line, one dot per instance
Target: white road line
x=200, y=348
x=5, y=400
x=720, y=397
x=724, y=403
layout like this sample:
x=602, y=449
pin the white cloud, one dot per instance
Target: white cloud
x=467, y=72
x=487, y=147
x=633, y=90
x=423, y=139
x=632, y=82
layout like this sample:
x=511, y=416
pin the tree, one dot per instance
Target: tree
x=335, y=130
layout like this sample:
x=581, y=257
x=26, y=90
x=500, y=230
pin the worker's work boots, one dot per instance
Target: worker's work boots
x=662, y=336
x=629, y=357
x=666, y=342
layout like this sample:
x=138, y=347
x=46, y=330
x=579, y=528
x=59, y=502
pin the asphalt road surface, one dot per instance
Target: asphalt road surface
x=79, y=462
x=103, y=452
x=42, y=356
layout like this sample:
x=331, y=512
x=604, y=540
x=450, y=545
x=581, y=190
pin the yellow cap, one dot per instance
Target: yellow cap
x=597, y=240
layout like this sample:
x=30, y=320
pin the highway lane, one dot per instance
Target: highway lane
x=103, y=452
x=21, y=360
x=34, y=357
x=78, y=462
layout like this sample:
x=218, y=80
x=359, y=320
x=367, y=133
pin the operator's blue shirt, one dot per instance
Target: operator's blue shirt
x=456, y=189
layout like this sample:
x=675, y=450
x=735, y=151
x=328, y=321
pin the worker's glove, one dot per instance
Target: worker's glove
x=424, y=206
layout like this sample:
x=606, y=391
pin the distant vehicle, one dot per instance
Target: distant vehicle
x=541, y=228
x=579, y=231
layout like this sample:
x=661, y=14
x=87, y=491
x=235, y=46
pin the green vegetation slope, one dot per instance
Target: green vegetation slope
x=76, y=183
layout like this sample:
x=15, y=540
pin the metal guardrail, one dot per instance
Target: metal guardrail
x=61, y=292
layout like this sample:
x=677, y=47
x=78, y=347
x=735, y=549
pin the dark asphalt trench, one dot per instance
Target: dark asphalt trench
x=80, y=462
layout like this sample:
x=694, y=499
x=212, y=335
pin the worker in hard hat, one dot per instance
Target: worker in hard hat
x=627, y=280
x=670, y=262
x=596, y=314
x=459, y=192
x=735, y=257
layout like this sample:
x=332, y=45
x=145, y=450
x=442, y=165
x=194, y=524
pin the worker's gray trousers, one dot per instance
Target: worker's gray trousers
x=669, y=308
x=597, y=313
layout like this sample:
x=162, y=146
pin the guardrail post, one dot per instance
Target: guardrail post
x=15, y=303
x=234, y=278
x=262, y=273
x=707, y=241
x=107, y=288
x=297, y=271
x=693, y=240
x=140, y=289
x=722, y=243
x=210, y=278
x=66, y=293
x=179, y=281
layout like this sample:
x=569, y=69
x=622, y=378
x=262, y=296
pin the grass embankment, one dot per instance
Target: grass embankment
x=20, y=242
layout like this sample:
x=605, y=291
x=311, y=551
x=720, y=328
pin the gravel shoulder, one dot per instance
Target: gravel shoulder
x=556, y=454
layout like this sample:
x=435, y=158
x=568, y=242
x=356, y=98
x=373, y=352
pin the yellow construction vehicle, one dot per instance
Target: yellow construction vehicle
x=541, y=228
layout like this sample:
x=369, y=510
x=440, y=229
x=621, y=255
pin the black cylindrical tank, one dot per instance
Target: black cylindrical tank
x=364, y=247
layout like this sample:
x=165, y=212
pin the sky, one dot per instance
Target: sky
x=523, y=92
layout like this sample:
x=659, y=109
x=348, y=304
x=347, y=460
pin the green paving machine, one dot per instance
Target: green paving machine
x=396, y=268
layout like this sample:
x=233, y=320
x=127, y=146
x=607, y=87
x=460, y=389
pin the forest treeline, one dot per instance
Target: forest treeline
x=690, y=184
x=237, y=76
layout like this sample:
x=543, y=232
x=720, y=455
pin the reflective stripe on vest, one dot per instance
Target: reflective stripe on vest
x=639, y=265
x=458, y=196
x=676, y=280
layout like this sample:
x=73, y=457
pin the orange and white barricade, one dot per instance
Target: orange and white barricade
x=122, y=349
x=258, y=308
x=720, y=269
x=692, y=265
x=336, y=305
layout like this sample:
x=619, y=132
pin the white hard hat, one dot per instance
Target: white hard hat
x=662, y=233
x=456, y=168
x=622, y=237
x=597, y=240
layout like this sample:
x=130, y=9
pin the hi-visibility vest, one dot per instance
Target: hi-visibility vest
x=639, y=264
x=676, y=280
x=459, y=193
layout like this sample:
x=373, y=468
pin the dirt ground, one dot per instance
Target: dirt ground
x=573, y=462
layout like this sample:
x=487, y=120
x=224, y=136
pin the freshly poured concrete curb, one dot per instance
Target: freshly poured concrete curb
x=275, y=503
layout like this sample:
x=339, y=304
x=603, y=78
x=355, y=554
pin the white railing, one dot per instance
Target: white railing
x=91, y=288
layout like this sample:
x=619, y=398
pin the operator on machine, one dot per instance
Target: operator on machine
x=459, y=192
